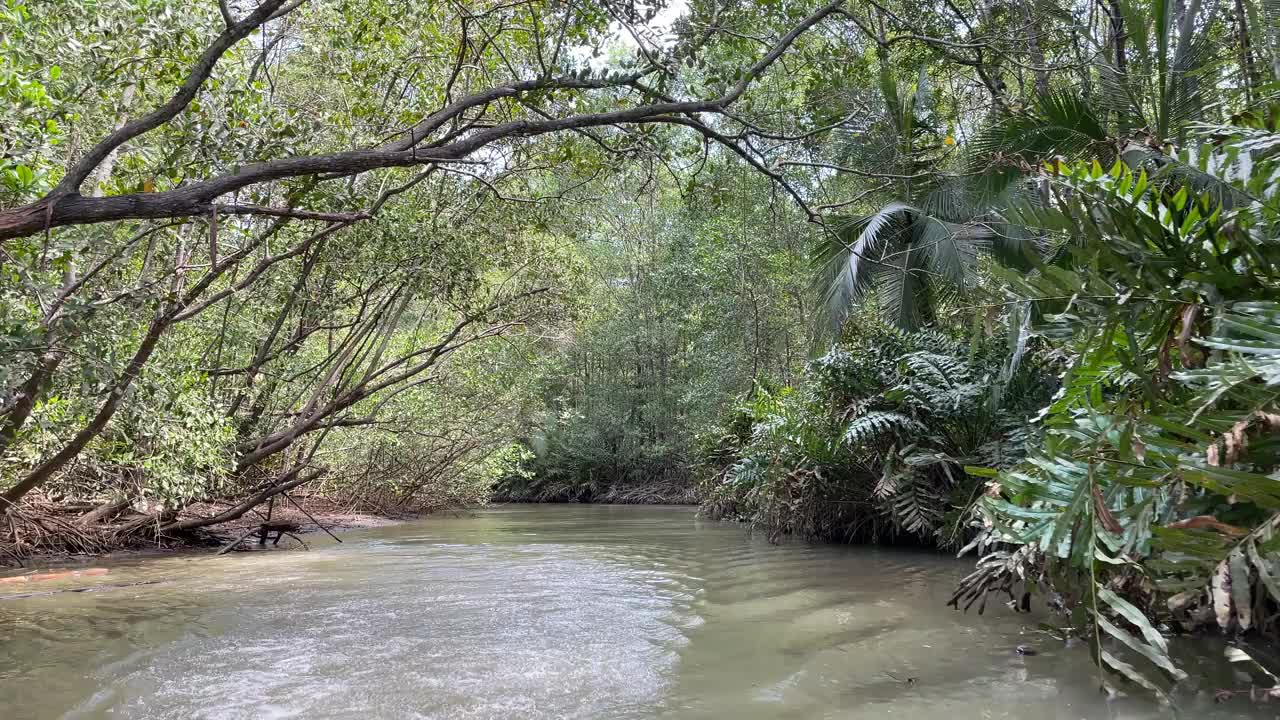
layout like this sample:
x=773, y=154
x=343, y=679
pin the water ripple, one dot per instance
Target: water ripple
x=536, y=612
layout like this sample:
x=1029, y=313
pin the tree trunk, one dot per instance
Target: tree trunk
x=105, y=512
x=1118, y=36
x=1036, y=50
x=30, y=392
x=1244, y=46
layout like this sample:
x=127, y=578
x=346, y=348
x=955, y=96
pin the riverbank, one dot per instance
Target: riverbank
x=311, y=514
x=66, y=535
x=588, y=495
x=46, y=533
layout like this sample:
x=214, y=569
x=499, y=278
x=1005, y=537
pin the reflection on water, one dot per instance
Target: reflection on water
x=541, y=612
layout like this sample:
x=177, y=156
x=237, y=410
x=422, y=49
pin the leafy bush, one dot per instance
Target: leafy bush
x=1152, y=496
x=170, y=444
x=871, y=444
x=602, y=458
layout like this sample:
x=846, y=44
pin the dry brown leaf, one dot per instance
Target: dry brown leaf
x=1241, y=589
x=1103, y=513
x=1190, y=314
x=1183, y=600
x=1209, y=522
x=1220, y=588
x=1164, y=363
x=1236, y=440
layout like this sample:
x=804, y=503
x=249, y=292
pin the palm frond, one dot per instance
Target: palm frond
x=846, y=258
x=875, y=425
x=913, y=255
x=902, y=286
x=1014, y=245
x=1060, y=123
x=942, y=251
x=915, y=507
x=1189, y=85
x=1124, y=98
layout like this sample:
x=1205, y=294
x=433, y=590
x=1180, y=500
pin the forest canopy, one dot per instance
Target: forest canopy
x=302, y=209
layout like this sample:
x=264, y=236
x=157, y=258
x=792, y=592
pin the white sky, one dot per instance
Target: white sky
x=668, y=15
x=660, y=25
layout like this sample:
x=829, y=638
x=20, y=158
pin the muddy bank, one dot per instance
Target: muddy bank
x=306, y=513
x=62, y=535
x=589, y=495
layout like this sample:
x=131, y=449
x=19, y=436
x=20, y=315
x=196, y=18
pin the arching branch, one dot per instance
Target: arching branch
x=65, y=206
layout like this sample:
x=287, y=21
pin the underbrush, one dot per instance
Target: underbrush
x=641, y=494
x=871, y=445
x=577, y=460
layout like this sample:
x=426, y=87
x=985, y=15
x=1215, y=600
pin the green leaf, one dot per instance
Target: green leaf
x=1157, y=657
x=1140, y=186
x=1130, y=672
x=1134, y=616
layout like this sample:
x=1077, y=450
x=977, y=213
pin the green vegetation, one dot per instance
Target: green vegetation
x=1152, y=486
x=998, y=277
x=690, y=303
x=871, y=443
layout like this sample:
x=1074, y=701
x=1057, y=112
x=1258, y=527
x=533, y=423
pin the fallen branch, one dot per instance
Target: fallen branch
x=309, y=515
x=236, y=511
x=227, y=548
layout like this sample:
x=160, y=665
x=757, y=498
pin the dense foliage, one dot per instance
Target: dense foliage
x=690, y=304
x=819, y=265
x=871, y=444
x=252, y=248
x=1153, y=491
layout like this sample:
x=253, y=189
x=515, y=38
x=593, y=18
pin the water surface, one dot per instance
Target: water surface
x=541, y=612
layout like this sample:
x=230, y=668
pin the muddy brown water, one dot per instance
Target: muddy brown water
x=543, y=612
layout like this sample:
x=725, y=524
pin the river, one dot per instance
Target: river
x=585, y=612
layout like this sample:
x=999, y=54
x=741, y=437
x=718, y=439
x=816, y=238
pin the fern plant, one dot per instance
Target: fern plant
x=871, y=444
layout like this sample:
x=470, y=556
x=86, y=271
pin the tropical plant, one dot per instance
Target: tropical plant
x=1161, y=84
x=1152, y=495
x=871, y=444
x=911, y=253
x=1152, y=88
x=909, y=257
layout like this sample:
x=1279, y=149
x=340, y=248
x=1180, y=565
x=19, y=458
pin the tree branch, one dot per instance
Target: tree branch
x=291, y=213
x=65, y=206
x=75, y=177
